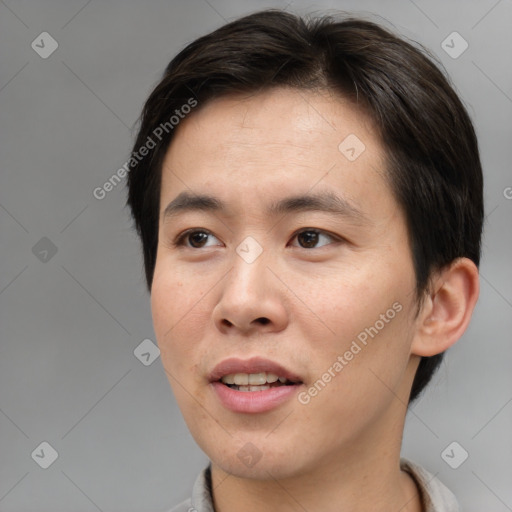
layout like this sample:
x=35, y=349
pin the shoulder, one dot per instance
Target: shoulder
x=435, y=496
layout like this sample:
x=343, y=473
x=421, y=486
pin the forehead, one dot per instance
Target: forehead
x=277, y=141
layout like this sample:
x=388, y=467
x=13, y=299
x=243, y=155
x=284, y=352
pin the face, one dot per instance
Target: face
x=296, y=265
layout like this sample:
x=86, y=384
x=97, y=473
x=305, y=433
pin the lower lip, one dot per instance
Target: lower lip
x=253, y=401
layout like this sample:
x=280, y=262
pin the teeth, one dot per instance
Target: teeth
x=241, y=379
x=258, y=388
x=229, y=379
x=253, y=388
x=252, y=379
x=257, y=379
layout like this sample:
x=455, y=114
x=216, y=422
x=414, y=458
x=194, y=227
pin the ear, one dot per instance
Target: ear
x=447, y=308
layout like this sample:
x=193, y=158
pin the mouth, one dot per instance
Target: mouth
x=253, y=386
x=255, y=381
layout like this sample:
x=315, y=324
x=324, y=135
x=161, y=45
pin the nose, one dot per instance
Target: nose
x=251, y=301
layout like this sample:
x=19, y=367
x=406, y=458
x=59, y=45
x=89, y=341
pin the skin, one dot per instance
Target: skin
x=341, y=450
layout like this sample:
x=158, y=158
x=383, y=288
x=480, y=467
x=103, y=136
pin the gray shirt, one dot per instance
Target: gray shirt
x=434, y=495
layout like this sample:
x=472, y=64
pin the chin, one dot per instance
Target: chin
x=255, y=458
x=266, y=468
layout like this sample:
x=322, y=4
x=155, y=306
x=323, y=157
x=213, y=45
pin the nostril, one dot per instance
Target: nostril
x=262, y=320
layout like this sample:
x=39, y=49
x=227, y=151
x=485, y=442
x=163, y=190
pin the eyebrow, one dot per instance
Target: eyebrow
x=322, y=201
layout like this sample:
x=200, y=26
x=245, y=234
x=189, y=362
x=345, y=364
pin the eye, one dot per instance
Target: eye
x=195, y=239
x=199, y=238
x=309, y=238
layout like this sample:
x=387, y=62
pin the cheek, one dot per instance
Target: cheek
x=353, y=382
x=179, y=323
x=365, y=315
x=344, y=303
x=174, y=296
x=178, y=318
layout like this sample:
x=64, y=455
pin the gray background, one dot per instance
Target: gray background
x=70, y=321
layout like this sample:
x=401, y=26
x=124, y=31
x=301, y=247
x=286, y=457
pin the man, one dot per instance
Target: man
x=310, y=212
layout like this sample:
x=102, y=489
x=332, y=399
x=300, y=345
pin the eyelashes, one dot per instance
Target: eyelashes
x=195, y=238
x=183, y=237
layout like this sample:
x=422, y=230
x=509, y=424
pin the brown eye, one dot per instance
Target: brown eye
x=198, y=239
x=195, y=239
x=309, y=238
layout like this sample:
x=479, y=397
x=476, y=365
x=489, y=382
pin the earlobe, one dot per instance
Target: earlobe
x=447, y=310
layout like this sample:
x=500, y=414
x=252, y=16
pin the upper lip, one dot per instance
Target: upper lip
x=252, y=365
